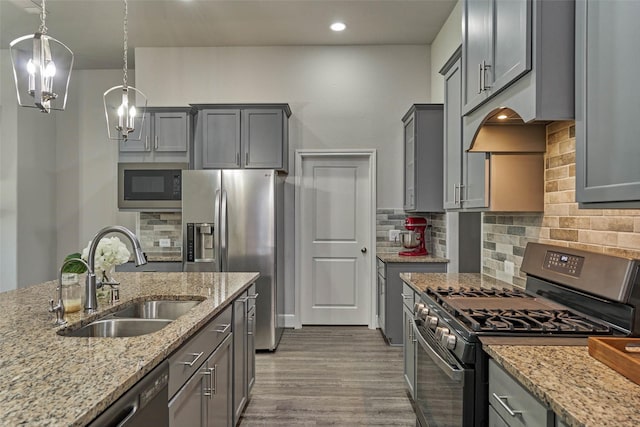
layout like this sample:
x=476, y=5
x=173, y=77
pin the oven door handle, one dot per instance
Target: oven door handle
x=456, y=375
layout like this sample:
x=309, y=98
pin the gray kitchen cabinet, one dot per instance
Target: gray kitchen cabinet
x=496, y=47
x=511, y=405
x=423, y=133
x=217, y=393
x=381, y=296
x=502, y=180
x=252, y=136
x=392, y=326
x=200, y=388
x=464, y=175
x=251, y=339
x=165, y=137
x=409, y=298
x=243, y=350
x=607, y=108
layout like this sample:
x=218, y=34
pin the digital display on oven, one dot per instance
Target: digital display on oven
x=564, y=263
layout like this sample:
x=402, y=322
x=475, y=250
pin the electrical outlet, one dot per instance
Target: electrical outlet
x=508, y=267
x=394, y=235
x=165, y=243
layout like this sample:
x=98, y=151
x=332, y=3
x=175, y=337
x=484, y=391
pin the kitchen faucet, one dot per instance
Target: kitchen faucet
x=91, y=300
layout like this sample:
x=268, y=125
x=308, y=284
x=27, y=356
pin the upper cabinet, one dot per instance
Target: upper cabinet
x=518, y=54
x=423, y=135
x=252, y=136
x=496, y=47
x=166, y=137
x=607, y=107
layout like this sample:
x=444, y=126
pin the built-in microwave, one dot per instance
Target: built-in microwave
x=150, y=186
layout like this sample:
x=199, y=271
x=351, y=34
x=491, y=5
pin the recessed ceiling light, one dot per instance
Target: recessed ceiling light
x=338, y=26
x=502, y=116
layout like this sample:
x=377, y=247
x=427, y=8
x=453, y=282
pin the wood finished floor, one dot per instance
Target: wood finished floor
x=320, y=375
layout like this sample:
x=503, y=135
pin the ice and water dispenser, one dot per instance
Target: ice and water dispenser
x=200, y=242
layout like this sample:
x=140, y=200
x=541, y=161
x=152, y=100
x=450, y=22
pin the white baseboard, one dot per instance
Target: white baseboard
x=290, y=321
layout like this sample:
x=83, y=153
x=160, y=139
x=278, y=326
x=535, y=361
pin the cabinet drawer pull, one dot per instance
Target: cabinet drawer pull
x=196, y=357
x=455, y=194
x=405, y=296
x=238, y=158
x=146, y=143
x=479, y=78
x=156, y=143
x=224, y=329
x=253, y=296
x=505, y=406
x=460, y=187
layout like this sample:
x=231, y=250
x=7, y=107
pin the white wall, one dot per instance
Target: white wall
x=86, y=162
x=27, y=214
x=445, y=43
x=340, y=96
x=8, y=175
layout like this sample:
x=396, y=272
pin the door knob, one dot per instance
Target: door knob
x=363, y=250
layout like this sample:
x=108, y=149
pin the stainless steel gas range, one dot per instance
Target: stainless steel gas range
x=569, y=295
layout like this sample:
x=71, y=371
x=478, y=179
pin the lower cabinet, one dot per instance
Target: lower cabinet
x=511, y=405
x=244, y=350
x=409, y=297
x=211, y=375
x=390, y=296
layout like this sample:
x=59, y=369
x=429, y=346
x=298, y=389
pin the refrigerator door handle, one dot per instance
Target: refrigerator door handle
x=223, y=232
x=217, y=224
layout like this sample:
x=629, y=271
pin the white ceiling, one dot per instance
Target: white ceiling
x=93, y=28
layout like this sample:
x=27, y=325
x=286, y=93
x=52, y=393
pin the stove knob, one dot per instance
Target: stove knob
x=417, y=307
x=441, y=331
x=432, y=321
x=423, y=313
x=449, y=341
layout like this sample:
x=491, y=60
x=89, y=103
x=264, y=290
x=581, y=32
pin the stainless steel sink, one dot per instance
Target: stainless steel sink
x=141, y=318
x=117, y=328
x=159, y=309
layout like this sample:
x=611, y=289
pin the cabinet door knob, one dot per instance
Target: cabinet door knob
x=363, y=250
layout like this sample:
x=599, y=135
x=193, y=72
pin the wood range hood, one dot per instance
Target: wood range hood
x=514, y=161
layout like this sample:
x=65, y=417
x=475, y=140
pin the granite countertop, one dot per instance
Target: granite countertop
x=394, y=257
x=421, y=281
x=581, y=390
x=52, y=380
x=578, y=388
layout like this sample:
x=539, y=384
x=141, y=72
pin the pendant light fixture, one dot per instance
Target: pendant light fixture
x=124, y=105
x=41, y=69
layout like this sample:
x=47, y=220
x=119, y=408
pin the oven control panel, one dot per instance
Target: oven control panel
x=563, y=263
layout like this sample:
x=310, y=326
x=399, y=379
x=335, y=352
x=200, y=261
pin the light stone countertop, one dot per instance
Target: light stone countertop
x=581, y=390
x=578, y=388
x=393, y=257
x=52, y=380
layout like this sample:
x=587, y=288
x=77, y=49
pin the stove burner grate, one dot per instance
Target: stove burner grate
x=545, y=321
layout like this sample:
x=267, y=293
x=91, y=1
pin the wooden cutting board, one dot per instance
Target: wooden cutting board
x=612, y=352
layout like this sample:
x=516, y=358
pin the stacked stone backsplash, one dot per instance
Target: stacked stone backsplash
x=610, y=231
x=161, y=225
x=393, y=219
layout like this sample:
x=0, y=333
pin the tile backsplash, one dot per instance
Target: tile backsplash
x=393, y=219
x=610, y=231
x=160, y=225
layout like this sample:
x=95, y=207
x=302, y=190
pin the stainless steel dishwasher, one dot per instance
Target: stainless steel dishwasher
x=145, y=404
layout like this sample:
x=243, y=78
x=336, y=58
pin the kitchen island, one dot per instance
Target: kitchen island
x=580, y=390
x=48, y=379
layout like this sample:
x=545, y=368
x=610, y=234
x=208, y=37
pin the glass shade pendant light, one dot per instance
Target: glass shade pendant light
x=41, y=69
x=124, y=105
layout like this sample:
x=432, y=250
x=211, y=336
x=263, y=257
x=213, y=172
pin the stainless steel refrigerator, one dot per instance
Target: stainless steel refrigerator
x=233, y=220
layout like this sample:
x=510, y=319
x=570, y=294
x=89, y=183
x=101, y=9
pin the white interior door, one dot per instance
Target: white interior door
x=335, y=240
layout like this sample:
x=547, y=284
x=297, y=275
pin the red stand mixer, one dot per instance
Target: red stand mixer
x=414, y=239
